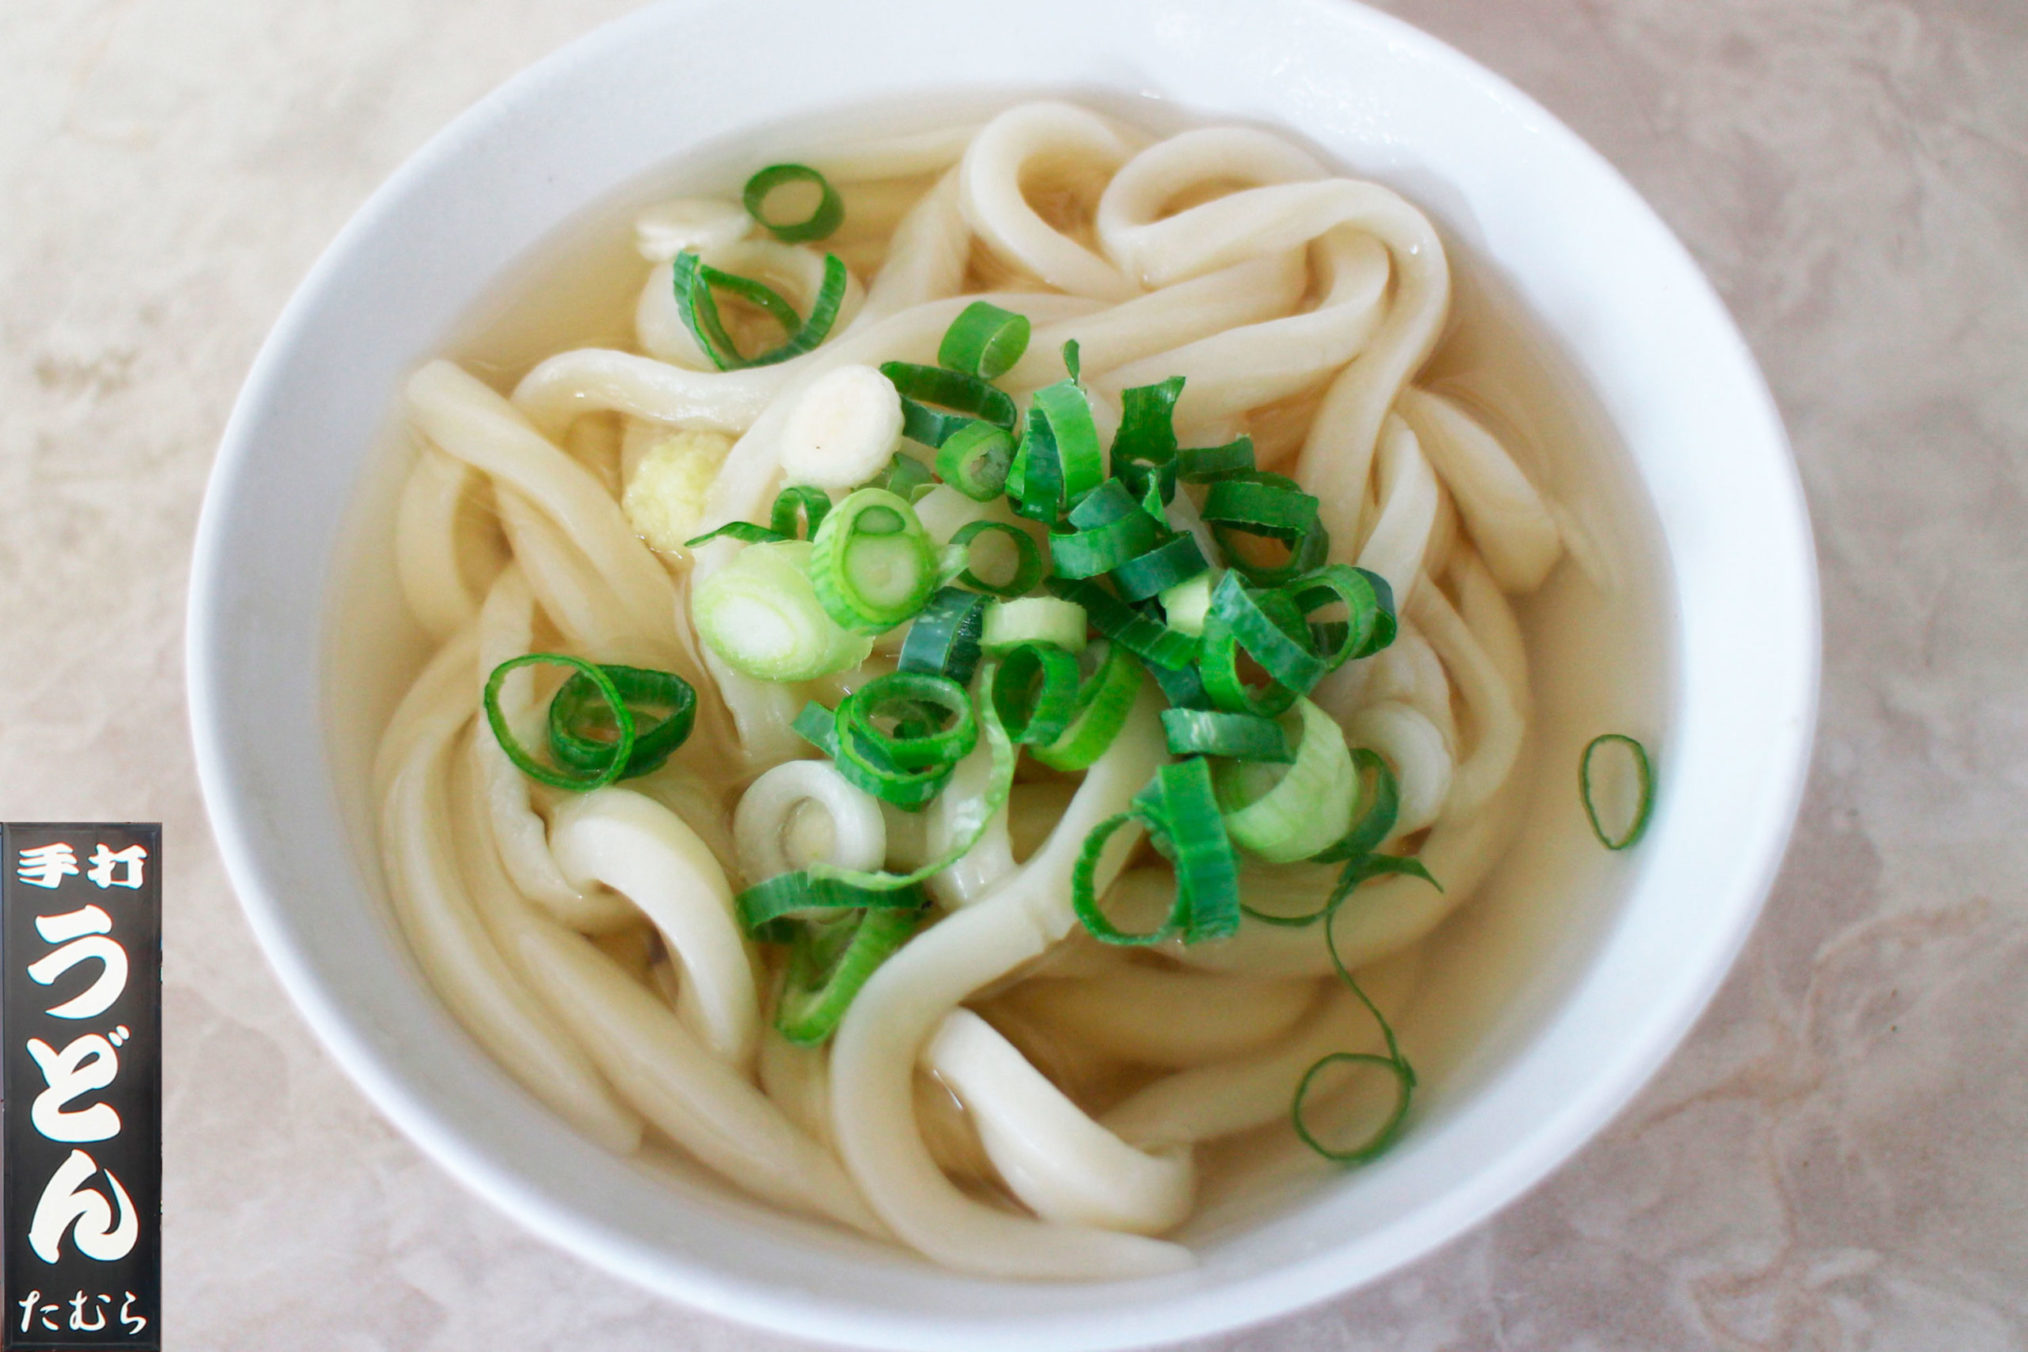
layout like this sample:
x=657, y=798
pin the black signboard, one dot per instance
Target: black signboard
x=81, y=1015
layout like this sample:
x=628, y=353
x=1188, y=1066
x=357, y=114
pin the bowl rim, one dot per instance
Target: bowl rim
x=229, y=793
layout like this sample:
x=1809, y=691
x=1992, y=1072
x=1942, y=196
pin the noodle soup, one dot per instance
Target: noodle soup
x=594, y=940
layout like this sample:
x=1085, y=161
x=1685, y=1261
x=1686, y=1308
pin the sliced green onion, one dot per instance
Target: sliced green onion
x=1183, y=686
x=761, y=614
x=1379, y=804
x=619, y=749
x=1208, y=464
x=1285, y=815
x=1034, y=619
x=799, y=509
x=1144, y=449
x=974, y=460
x=1394, y=1063
x=1210, y=732
x=828, y=965
x=1034, y=692
x=905, y=477
x=824, y=218
x=944, y=639
x=1065, y=410
x=1369, y=625
x=745, y=531
x=1266, y=506
x=1107, y=529
x=966, y=824
x=1103, y=703
x=1168, y=565
x=864, y=766
x=984, y=341
x=772, y=910
x=1180, y=810
x=1028, y=566
x=1071, y=361
x=694, y=282
x=1644, y=779
x=1148, y=639
x=873, y=563
x=1187, y=603
x=937, y=402
x=907, y=720
x=1266, y=626
x=582, y=734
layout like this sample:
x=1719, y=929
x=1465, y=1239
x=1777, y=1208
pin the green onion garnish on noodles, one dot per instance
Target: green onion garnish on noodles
x=1104, y=700
x=1062, y=437
x=1282, y=815
x=974, y=460
x=1144, y=449
x=937, y=402
x=984, y=341
x=770, y=911
x=909, y=720
x=695, y=282
x=873, y=564
x=617, y=750
x=1180, y=811
x=905, y=477
x=1270, y=507
x=761, y=614
x=1034, y=692
x=866, y=768
x=825, y=217
x=798, y=511
x=583, y=731
x=1207, y=464
x=1634, y=757
x=1168, y=565
x=1034, y=619
x=1379, y=797
x=1142, y=635
x=1107, y=529
x=1028, y=566
x=1394, y=1063
x=944, y=639
x=1072, y=362
x=1207, y=732
x=827, y=966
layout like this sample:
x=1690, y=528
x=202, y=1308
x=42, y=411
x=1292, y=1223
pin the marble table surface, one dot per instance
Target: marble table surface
x=1835, y=1160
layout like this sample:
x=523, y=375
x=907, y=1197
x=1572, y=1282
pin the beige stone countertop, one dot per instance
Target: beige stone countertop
x=1838, y=1157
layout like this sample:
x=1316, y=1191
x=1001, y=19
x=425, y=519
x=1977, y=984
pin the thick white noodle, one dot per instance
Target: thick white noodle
x=769, y=813
x=704, y=1105
x=645, y=852
x=1415, y=750
x=1166, y=1018
x=506, y=630
x=588, y=379
x=1408, y=511
x=1064, y=1166
x=1505, y=513
x=426, y=544
x=465, y=417
x=447, y=936
x=873, y=1057
x=993, y=193
x=1247, y=1091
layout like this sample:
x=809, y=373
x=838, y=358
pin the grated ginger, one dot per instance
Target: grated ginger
x=664, y=498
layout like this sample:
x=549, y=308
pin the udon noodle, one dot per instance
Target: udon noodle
x=1005, y=1094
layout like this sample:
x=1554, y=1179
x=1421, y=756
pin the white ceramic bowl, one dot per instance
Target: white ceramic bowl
x=283, y=734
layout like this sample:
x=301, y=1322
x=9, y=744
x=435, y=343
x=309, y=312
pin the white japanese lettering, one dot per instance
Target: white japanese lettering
x=99, y=996
x=88, y=1063
x=76, y=924
x=117, y=868
x=47, y=865
x=67, y=1202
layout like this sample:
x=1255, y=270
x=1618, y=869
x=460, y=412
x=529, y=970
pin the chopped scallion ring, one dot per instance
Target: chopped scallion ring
x=582, y=733
x=620, y=748
x=1644, y=785
x=873, y=564
x=974, y=459
x=694, y=283
x=824, y=218
x=984, y=341
x=1028, y=566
